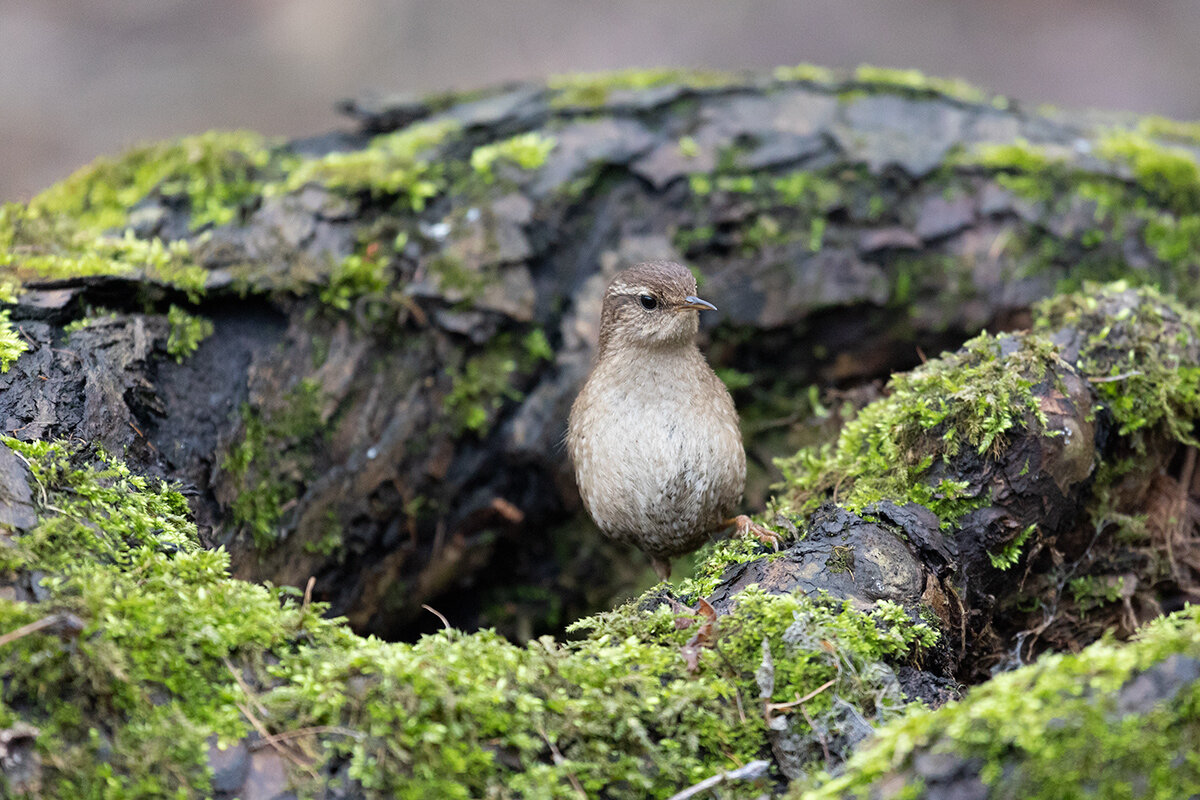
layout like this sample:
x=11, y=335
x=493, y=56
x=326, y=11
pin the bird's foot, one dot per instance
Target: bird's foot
x=744, y=526
x=662, y=566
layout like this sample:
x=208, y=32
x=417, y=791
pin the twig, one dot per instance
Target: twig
x=1111, y=378
x=559, y=761
x=36, y=479
x=25, y=630
x=316, y=730
x=245, y=688
x=445, y=622
x=270, y=739
x=752, y=771
x=308, y=589
x=805, y=699
x=820, y=737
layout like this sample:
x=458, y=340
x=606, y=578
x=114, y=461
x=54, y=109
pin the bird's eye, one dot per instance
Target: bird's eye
x=648, y=301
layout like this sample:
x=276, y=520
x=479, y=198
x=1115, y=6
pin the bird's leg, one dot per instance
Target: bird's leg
x=662, y=566
x=744, y=526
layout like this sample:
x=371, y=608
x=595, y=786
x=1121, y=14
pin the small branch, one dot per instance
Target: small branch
x=445, y=622
x=801, y=701
x=308, y=590
x=25, y=630
x=820, y=737
x=1112, y=378
x=559, y=761
x=750, y=772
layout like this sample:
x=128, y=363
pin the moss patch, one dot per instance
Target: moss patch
x=187, y=331
x=1142, y=357
x=488, y=380
x=1142, y=188
x=140, y=670
x=273, y=459
x=971, y=398
x=216, y=171
x=911, y=80
x=592, y=90
x=526, y=150
x=168, y=650
x=1055, y=729
x=392, y=164
x=12, y=345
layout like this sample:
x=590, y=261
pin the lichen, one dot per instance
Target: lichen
x=1055, y=729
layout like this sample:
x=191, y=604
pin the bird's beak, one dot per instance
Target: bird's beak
x=692, y=301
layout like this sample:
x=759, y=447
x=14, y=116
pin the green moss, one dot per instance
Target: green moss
x=1142, y=356
x=972, y=398
x=810, y=191
x=1008, y=555
x=592, y=90
x=805, y=73
x=217, y=172
x=1093, y=591
x=1053, y=729
x=12, y=345
x=1161, y=127
x=272, y=460
x=53, y=248
x=1159, y=203
x=486, y=380
x=357, y=275
x=1169, y=175
x=172, y=650
x=526, y=150
x=125, y=701
x=187, y=332
x=912, y=80
x=453, y=274
x=391, y=165
x=714, y=558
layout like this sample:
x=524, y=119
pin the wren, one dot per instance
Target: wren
x=653, y=434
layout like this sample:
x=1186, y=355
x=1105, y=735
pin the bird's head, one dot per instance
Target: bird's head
x=651, y=306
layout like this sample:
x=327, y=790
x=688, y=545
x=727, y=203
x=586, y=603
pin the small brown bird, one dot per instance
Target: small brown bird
x=653, y=435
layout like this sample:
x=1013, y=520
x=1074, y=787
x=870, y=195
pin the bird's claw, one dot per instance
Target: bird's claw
x=744, y=526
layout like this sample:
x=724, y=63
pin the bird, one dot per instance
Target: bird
x=653, y=434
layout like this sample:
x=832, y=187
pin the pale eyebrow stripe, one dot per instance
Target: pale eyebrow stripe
x=625, y=288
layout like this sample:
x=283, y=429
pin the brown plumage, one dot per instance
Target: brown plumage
x=653, y=434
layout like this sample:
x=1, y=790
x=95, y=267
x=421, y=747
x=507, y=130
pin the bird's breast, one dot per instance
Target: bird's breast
x=658, y=451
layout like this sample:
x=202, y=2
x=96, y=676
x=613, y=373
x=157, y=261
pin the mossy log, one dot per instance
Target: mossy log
x=354, y=355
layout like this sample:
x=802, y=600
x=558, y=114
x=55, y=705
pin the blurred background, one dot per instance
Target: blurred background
x=79, y=78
